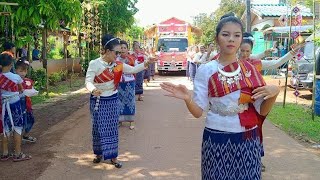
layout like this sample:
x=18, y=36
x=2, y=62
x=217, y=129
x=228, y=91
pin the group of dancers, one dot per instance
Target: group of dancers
x=113, y=80
x=230, y=85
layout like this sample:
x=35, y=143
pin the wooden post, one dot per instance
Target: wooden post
x=315, y=61
x=289, y=44
x=44, y=56
x=248, y=12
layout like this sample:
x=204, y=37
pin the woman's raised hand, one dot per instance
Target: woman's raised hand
x=177, y=91
x=265, y=92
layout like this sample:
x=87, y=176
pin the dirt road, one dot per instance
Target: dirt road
x=164, y=145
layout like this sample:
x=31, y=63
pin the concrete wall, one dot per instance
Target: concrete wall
x=59, y=65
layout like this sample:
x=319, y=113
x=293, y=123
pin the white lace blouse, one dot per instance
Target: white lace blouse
x=96, y=67
x=228, y=123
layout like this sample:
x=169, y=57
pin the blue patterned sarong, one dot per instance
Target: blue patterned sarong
x=27, y=116
x=139, y=82
x=105, y=126
x=229, y=156
x=126, y=92
x=17, y=117
x=147, y=74
x=152, y=69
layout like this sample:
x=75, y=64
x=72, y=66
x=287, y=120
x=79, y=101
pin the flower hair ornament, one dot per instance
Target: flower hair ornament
x=24, y=61
x=249, y=38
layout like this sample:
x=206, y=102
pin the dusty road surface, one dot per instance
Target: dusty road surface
x=164, y=145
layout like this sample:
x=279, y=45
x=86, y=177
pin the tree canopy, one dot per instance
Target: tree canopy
x=208, y=23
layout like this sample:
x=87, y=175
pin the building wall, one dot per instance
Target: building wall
x=260, y=23
x=59, y=65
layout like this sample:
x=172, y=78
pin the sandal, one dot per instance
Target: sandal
x=5, y=157
x=97, y=160
x=116, y=164
x=29, y=139
x=21, y=157
x=263, y=168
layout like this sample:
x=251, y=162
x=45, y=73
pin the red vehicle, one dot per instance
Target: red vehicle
x=170, y=39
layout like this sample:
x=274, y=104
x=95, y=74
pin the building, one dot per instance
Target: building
x=267, y=28
x=264, y=16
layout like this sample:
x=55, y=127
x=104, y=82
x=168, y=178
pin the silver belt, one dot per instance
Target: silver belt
x=231, y=109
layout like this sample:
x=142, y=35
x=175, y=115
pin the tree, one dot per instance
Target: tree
x=209, y=23
x=117, y=16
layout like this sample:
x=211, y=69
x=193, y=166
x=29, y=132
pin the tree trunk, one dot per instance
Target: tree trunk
x=44, y=56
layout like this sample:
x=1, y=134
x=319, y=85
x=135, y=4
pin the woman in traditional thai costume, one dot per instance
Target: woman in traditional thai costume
x=246, y=50
x=193, y=64
x=126, y=89
x=237, y=95
x=147, y=71
x=245, y=55
x=140, y=56
x=152, y=66
x=102, y=80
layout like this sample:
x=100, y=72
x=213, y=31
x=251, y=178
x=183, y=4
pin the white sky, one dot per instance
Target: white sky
x=156, y=11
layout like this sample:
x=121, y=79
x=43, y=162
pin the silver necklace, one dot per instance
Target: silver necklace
x=231, y=78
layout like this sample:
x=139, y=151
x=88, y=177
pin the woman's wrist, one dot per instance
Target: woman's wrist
x=188, y=99
x=293, y=52
x=146, y=63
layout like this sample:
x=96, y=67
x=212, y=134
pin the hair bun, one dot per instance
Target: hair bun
x=230, y=14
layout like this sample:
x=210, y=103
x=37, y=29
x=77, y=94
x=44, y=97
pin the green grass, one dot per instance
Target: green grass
x=297, y=121
x=59, y=89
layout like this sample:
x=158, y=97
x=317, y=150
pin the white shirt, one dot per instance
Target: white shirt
x=126, y=77
x=190, y=55
x=16, y=79
x=201, y=98
x=200, y=57
x=96, y=67
x=272, y=64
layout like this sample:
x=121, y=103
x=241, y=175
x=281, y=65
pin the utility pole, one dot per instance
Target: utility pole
x=248, y=10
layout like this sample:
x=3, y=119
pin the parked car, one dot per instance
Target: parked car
x=302, y=69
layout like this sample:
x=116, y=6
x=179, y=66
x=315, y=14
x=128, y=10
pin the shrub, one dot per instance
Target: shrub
x=85, y=60
x=63, y=75
x=39, y=78
x=54, y=78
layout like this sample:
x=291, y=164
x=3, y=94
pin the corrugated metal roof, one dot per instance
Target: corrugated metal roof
x=286, y=29
x=277, y=10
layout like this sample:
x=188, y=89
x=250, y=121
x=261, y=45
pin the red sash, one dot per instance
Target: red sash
x=8, y=85
x=139, y=56
x=256, y=62
x=248, y=118
x=28, y=84
x=131, y=58
x=109, y=74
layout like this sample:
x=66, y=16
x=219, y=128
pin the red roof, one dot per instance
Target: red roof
x=173, y=20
